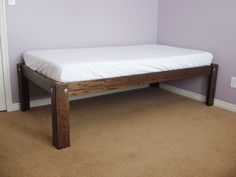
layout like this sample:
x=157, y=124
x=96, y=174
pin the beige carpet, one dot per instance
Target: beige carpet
x=143, y=133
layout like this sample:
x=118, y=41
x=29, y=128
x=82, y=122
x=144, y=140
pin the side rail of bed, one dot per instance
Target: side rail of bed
x=60, y=92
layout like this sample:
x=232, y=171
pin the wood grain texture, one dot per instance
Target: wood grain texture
x=60, y=117
x=212, y=85
x=60, y=100
x=23, y=86
x=94, y=86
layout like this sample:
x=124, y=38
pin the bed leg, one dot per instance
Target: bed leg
x=23, y=85
x=212, y=85
x=60, y=117
x=156, y=85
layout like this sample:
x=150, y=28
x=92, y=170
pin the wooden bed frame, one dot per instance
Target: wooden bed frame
x=60, y=92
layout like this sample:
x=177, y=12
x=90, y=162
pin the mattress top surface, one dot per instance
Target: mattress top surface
x=70, y=65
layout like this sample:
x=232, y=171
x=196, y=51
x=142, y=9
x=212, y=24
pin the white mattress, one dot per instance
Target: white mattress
x=83, y=64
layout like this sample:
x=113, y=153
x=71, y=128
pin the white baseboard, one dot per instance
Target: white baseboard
x=225, y=105
x=195, y=96
x=47, y=101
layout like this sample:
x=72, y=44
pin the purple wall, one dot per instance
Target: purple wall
x=203, y=24
x=44, y=24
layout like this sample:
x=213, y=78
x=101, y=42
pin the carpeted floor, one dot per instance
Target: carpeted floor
x=142, y=133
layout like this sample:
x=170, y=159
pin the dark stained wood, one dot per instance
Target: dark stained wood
x=39, y=79
x=23, y=86
x=60, y=117
x=155, y=85
x=61, y=91
x=94, y=86
x=212, y=85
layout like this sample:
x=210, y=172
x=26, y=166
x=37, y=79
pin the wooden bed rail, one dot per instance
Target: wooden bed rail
x=60, y=92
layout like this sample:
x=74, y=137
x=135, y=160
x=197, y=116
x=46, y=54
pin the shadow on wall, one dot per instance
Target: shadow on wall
x=204, y=24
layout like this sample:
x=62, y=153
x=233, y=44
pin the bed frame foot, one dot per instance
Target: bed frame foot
x=154, y=85
x=60, y=117
x=23, y=85
x=212, y=85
